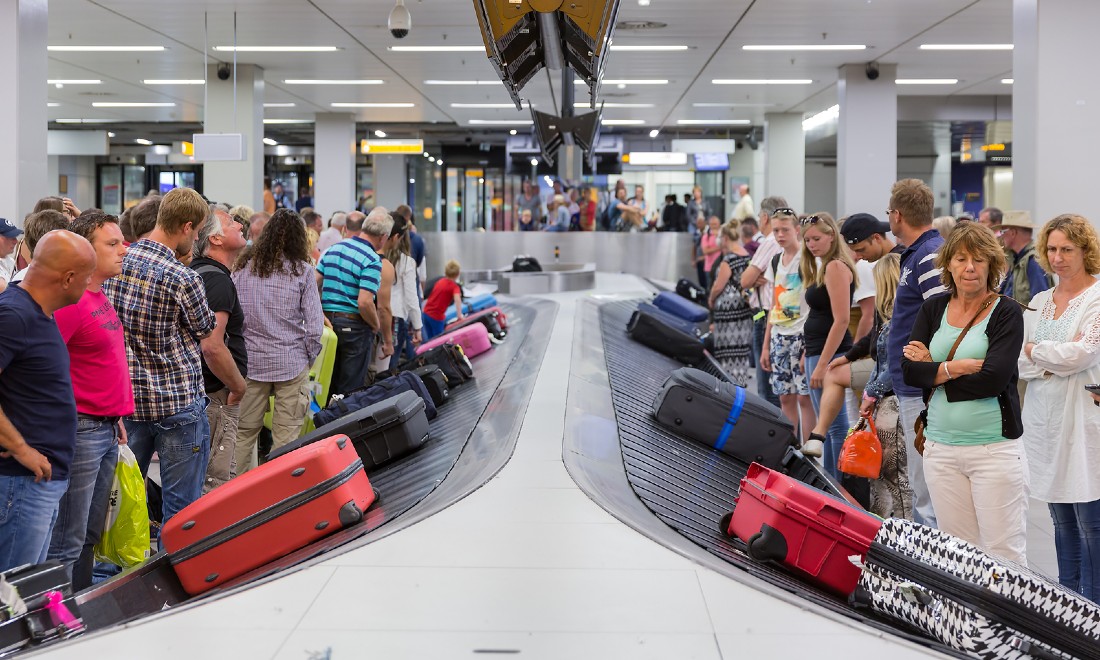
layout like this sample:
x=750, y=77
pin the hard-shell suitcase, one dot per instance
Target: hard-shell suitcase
x=435, y=382
x=449, y=358
x=277, y=508
x=651, y=331
x=474, y=340
x=685, y=288
x=36, y=585
x=379, y=391
x=688, y=327
x=677, y=306
x=525, y=264
x=725, y=416
x=971, y=600
x=493, y=319
x=813, y=533
x=380, y=432
x=471, y=305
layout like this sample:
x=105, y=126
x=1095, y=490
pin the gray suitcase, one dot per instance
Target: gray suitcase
x=699, y=406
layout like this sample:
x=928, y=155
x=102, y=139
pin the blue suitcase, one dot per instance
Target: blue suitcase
x=475, y=304
x=670, y=319
x=669, y=302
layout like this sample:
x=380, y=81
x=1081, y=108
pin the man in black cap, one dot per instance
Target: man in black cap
x=867, y=237
x=9, y=238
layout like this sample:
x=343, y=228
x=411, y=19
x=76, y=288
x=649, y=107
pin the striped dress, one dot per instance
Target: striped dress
x=733, y=323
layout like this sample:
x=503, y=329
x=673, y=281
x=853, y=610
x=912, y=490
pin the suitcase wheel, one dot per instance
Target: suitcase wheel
x=377, y=496
x=724, y=524
x=350, y=514
x=768, y=544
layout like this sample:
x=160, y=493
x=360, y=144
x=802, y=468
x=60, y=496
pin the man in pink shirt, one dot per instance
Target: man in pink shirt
x=104, y=395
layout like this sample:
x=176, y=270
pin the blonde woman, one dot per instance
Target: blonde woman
x=730, y=312
x=829, y=275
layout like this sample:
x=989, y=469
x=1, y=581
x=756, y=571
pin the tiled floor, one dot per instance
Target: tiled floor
x=526, y=566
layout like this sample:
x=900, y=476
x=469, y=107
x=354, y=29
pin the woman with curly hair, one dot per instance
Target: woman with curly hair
x=277, y=288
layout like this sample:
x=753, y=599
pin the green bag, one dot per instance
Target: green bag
x=125, y=539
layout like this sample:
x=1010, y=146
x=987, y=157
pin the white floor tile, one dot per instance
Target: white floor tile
x=843, y=646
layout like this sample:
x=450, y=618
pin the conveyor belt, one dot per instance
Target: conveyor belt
x=468, y=445
x=685, y=485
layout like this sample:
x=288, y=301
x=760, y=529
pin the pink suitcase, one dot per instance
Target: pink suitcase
x=473, y=338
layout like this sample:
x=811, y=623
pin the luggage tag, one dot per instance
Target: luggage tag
x=315, y=392
x=10, y=599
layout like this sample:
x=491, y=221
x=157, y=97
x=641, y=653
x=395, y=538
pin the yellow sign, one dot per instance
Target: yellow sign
x=429, y=213
x=391, y=146
x=187, y=148
x=473, y=173
x=993, y=147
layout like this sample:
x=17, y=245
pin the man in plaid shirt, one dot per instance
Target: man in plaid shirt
x=163, y=309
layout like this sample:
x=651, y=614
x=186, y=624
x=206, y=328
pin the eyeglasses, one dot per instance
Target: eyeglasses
x=784, y=211
x=812, y=220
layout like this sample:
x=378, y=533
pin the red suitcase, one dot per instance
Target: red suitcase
x=474, y=340
x=266, y=513
x=807, y=530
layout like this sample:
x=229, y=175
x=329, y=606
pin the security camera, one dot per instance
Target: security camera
x=224, y=71
x=871, y=70
x=400, y=21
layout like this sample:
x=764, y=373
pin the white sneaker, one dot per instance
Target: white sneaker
x=813, y=447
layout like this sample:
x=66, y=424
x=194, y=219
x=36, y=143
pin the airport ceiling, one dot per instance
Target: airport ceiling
x=715, y=33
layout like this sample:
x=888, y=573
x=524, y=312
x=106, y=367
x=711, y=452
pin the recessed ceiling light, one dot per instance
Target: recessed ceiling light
x=288, y=121
x=181, y=81
x=534, y=162
x=87, y=121
x=110, y=134
x=734, y=105
x=1007, y=81
x=143, y=141
x=799, y=47
x=489, y=106
x=647, y=49
x=105, y=49
x=513, y=132
x=462, y=82
x=379, y=134
x=75, y=82
x=373, y=105
x=427, y=155
x=333, y=82
x=271, y=143
x=714, y=122
x=583, y=104
x=278, y=49
x=116, y=104
x=622, y=122
x=966, y=46
x=926, y=81
x=655, y=132
x=628, y=81
x=53, y=105
x=761, y=81
x=439, y=162
x=278, y=105
x=436, y=49
x=431, y=159
x=500, y=122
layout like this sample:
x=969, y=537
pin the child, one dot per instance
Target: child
x=444, y=293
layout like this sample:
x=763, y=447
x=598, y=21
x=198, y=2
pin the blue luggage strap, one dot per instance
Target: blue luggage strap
x=731, y=421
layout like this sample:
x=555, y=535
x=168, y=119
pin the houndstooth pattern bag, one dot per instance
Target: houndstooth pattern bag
x=947, y=614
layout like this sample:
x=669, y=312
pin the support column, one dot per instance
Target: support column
x=23, y=166
x=236, y=182
x=941, y=171
x=867, y=139
x=785, y=159
x=334, y=163
x=391, y=181
x=1055, y=107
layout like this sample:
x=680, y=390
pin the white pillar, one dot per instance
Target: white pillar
x=237, y=182
x=867, y=139
x=941, y=170
x=785, y=155
x=1055, y=107
x=334, y=163
x=391, y=181
x=23, y=167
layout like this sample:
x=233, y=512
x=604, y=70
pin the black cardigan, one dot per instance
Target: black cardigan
x=999, y=373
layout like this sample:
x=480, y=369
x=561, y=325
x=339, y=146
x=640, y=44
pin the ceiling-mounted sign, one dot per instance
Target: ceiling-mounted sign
x=704, y=146
x=391, y=146
x=656, y=158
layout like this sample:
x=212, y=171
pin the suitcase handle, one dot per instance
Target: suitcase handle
x=831, y=514
x=731, y=421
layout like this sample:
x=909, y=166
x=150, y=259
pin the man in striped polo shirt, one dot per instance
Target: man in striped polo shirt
x=349, y=275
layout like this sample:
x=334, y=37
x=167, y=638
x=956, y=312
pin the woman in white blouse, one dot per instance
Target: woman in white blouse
x=404, y=301
x=1061, y=355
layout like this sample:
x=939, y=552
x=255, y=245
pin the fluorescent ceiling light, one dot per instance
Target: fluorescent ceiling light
x=966, y=46
x=628, y=81
x=105, y=49
x=181, y=81
x=797, y=47
x=582, y=104
x=462, y=82
x=761, y=81
x=490, y=106
x=436, y=49
x=655, y=132
x=271, y=143
x=87, y=121
x=1007, y=81
x=115, y=104
x=820, y=118
x=622, y=122
x=75, y=82
x=648, y=49
x=714, y=122
x=143, y=141
x=373, y=105
x=288, y=121
x=332, y=82
x=278, y=49
x=500, y=122
x=734, y=105
x=278, y=105
x=53, y=105
x=926, y=81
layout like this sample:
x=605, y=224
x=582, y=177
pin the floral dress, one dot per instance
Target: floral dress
x=733, y=323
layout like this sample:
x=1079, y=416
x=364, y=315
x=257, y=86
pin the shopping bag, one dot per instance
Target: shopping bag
x=125, y=539
x=861, y=454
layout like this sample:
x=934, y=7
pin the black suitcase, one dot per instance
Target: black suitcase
x=450, y=359
x=33, y=583
x=651, y=331
x=692, y=291
x=435, y=382
x=526, y=264
x=380, y=432
x=725, y=416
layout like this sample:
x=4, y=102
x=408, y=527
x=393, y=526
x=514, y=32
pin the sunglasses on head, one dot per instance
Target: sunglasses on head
x=784, y=211
x=811, y=220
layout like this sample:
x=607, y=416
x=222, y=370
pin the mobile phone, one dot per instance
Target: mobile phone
x=1094, y=388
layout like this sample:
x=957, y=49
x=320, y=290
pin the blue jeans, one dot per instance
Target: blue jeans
x=432, y=327
x=1077, y=540
x=28, y=511
x=83, y=508
x=838, y=430
x=403, y=348
x=763, y=383
x=182, y=441
x=354, y=351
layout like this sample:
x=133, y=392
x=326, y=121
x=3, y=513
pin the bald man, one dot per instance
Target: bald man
x=37, y=407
